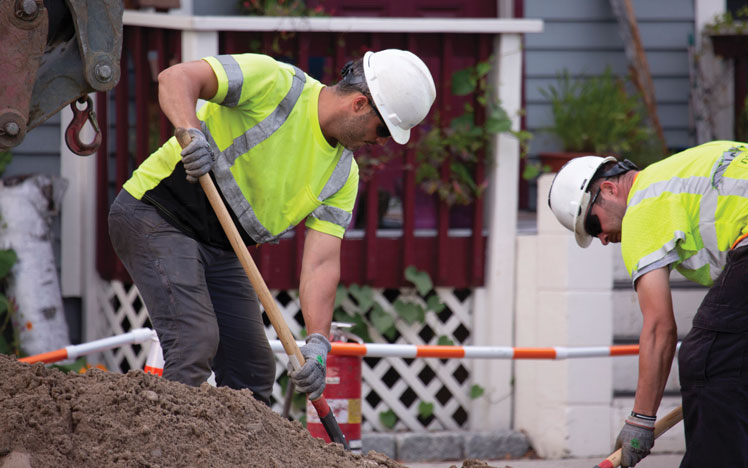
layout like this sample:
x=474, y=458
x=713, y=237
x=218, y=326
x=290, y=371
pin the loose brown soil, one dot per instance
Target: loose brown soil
x=102, y=419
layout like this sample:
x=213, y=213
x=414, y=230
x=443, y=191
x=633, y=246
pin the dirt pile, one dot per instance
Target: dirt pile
x=101, y=419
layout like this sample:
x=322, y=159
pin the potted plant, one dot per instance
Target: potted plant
x=596, y=115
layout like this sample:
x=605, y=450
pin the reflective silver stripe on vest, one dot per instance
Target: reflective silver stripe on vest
x=710, y=189
x=338, y=177
x=249, y=139
x=235, y=77
x=721, y=165
x=659, y=253
x=262, y=131
x=337, y=180
x=695, y=184
x=333, y=215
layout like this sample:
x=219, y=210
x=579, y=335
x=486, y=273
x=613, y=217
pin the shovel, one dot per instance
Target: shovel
x=670, y=420
x=266, y=299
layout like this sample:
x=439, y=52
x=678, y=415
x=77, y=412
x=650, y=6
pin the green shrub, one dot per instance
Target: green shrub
x=597, y=115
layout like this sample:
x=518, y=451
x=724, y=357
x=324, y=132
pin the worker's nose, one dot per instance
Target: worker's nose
x=604, y=239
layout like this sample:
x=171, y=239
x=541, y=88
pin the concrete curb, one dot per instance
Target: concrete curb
x=438, y=446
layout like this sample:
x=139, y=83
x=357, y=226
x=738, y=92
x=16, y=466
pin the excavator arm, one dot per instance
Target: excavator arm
x=53, y=53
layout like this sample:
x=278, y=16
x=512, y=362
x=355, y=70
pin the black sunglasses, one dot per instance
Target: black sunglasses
x=592, y=222
x=382, y=130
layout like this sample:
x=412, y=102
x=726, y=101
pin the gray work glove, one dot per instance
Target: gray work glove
x=197, y=157
x=311, y=377
x=635, y=440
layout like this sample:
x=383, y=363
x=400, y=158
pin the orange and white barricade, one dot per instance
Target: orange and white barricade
x=136, y=336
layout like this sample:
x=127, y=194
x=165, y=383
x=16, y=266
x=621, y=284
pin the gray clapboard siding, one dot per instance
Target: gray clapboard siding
x=40, y=151
x=673, y=115
x=547, y=63
x=657, y=36
x=581, y=36
x=663, y=10
x=667, y=90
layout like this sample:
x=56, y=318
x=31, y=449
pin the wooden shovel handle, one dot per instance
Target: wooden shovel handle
x=662, y=425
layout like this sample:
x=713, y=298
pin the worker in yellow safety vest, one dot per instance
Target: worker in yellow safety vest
x=278, y=145
x=688, y=212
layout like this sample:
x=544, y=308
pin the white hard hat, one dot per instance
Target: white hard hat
x=568, y=197
x=402, y=88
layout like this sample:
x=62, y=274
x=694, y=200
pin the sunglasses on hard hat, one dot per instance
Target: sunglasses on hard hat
x=592, y=222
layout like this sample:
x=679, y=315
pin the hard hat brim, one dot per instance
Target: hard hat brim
x=580, y=233
x=398, y=134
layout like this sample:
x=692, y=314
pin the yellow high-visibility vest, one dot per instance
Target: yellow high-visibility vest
x=273, y=165
x=688, y=211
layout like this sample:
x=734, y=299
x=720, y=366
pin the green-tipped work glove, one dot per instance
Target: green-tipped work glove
x=636, y=439
x=311, y=377
x=197, y=157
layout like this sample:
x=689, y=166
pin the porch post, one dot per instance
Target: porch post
x=494, y=304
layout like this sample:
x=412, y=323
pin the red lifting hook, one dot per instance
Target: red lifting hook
x=73, y=132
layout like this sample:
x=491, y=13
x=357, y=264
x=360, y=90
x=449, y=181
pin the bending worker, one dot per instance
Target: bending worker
x=688, y=212
x=278, y=145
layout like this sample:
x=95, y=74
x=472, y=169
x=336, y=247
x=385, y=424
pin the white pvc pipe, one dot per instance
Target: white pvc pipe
x=138, y=335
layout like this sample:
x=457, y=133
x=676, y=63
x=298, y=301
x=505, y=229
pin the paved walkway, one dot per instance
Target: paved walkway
x=652, y=461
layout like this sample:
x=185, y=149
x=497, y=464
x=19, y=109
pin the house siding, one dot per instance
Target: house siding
x=582, y=37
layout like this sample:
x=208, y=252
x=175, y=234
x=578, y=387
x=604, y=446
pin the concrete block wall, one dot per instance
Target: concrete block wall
x=442, y=446
x=564, y=298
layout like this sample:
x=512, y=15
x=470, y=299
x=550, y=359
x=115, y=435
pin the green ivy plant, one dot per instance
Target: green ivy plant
x=9, y=343
x=370, y=313
x=461, y=143
x=425, y=410
x=388, y=419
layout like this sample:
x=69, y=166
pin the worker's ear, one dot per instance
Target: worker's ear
x=609, y=188
x=359, y=103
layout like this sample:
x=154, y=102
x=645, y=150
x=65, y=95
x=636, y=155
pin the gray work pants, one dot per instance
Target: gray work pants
x=199, y=300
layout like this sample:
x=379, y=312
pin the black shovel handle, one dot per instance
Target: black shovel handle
x=328, y=422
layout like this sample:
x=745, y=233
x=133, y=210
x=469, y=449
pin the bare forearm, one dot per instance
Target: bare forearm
x=656, y=350
x=317, y=297
x=657, y=341
x=320, y=274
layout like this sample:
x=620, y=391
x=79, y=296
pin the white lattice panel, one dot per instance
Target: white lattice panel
x=392, y=384
x=123, y=310
x=419, y=380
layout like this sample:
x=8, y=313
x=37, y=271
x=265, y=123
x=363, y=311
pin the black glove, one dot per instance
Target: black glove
x=636, y=439
x=197, y=157
x=311, y=377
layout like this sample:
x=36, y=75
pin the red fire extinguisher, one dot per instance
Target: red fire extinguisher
x=342, y=392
